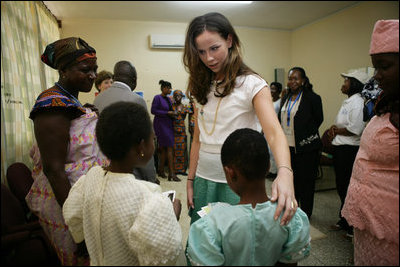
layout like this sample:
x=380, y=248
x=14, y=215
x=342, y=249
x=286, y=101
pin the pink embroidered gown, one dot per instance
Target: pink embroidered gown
x=372, y=201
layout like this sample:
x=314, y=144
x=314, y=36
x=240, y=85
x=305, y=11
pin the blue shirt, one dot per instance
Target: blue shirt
x=241, y=235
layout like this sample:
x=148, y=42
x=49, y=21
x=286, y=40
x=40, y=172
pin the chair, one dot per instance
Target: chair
x=325, y=162
x=327, y=150
x=326, y=158
x=22, y=242
x=19, y=178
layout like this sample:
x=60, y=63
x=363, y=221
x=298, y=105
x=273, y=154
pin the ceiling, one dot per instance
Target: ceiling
x=280, y=15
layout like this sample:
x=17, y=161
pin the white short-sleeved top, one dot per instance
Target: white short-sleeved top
x=350, y=116
x=235, y=111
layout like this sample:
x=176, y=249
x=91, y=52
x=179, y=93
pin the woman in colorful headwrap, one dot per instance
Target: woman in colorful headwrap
x=372, y=201
x=66, y=145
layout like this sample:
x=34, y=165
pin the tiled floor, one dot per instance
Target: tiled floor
x=329, y=248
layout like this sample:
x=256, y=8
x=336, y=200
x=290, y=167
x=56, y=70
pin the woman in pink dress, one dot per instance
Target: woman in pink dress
x=372, y=201
x=66, y=145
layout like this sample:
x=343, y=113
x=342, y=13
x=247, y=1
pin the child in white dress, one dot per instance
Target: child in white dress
x=246, y=233
x=124, y=221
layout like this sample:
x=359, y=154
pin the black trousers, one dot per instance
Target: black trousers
x=305, y=168
x=343, y=160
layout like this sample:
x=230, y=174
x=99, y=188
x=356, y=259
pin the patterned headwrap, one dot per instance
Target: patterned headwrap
x=64, y=52
x=370, y=93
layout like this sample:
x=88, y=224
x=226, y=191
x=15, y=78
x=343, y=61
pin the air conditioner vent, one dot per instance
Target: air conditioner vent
x=167, y=41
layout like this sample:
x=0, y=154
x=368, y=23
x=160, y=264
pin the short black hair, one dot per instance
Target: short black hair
x=121, y=126
x=247, y=150
x=307, y=85
x=355, y=86
x=278, y=86
x=165, y=84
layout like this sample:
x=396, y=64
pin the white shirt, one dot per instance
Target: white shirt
x=350, y=116
x=123, y=221
x=277, y=106
x=235, y=111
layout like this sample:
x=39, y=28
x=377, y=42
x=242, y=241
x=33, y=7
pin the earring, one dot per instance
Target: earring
x=142, y=154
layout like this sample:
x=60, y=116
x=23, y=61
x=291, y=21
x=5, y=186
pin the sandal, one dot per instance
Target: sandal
x=161, y=174
x=174, y=178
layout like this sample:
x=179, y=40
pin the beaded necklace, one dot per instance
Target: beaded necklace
x=215, y=114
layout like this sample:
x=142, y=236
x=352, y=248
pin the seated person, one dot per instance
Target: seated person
x=124, y=221
x=246, y=233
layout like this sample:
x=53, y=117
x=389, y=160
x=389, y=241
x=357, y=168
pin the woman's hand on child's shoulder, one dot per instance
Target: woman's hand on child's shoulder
x=283, y=192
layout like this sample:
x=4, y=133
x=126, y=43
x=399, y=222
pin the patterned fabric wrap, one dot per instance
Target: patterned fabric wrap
x=180, y=144
x=54, y=97
x=371, y=89
x=83, y=153
x=370, y=93
x=63, y=52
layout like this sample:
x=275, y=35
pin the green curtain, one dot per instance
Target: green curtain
x=26, y=28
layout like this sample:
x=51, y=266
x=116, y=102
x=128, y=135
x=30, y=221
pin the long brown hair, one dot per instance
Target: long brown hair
x=200, y=76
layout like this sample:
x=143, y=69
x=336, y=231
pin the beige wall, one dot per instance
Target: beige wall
x=324, y=49
x=128, y=40
x=336, y=44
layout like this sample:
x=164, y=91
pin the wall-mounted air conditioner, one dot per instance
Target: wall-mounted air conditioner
x=168, y=41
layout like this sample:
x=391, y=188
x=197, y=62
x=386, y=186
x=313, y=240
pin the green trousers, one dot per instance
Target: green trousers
x=205, y=191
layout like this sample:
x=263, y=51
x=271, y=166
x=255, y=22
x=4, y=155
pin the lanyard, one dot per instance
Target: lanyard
x=69, y=94
x=291, y=107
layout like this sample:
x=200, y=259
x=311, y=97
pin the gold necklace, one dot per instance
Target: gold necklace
x=215, y=115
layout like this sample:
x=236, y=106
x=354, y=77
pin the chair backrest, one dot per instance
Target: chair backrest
x=19, y=178
x=327, y=150
x=326, y=143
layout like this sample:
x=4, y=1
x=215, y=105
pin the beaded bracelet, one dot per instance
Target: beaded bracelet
x=286, y=167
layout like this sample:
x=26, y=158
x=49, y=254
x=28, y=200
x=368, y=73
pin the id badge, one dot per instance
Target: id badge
x=287, y=131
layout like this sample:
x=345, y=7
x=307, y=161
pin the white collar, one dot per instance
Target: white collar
x=350, y=99
x=123, y=84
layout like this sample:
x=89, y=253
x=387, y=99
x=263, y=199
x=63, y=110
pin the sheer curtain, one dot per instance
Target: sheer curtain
x=26, y=28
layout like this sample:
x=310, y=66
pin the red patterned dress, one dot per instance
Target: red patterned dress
x=180, y=138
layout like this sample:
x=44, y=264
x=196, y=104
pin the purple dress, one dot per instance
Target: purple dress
x=162, y=123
